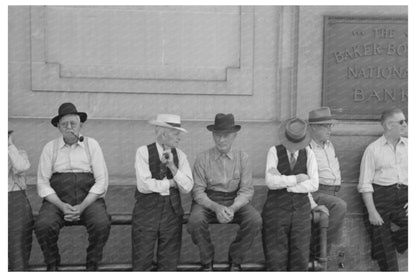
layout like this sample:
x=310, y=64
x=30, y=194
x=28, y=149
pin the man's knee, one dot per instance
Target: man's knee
x=253, y=219
x=340, y=208
x=196, y=220
x=45, y=224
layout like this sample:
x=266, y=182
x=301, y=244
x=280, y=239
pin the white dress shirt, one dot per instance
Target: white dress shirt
x=289, y=182
x=383, y=165
x=147, y=184
x=328, y=165
x=72, y=159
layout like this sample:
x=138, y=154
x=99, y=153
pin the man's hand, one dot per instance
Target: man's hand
x=321, y=208
x=71, y=213
x=375, y=218
x=301, y=178
x=406, y=207
x=172, y=183
x=167, y=158
x=224, y=214
x=274, y=171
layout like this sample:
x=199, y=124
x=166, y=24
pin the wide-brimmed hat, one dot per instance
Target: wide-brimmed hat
x=224, y=123
x=171, y=121
x=65, y=109
x=294, y=134
x=321, y=116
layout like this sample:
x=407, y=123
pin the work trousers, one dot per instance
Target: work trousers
x=286, y=238
x=247, y=217
x=389, y=202
x=156, y=225
x=337, y=211
x=71, y=188
x=19, y=231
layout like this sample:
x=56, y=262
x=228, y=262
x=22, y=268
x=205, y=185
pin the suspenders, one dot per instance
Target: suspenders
x=55, y=152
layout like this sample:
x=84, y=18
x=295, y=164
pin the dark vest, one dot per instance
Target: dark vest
x=159, y=172
x=281, y=198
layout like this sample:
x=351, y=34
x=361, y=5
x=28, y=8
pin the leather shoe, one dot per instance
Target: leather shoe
x=235, y=267
x=92, y=266
x=208, y=267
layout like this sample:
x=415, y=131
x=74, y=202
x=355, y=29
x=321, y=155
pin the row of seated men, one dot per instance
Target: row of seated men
x=302, y=173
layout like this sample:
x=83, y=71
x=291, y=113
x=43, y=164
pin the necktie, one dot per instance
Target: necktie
x=292, y=161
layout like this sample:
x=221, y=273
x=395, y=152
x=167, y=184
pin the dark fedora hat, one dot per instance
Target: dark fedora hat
x=224, y=123
x=294, y=133
x=321, y=116
x=65, y=109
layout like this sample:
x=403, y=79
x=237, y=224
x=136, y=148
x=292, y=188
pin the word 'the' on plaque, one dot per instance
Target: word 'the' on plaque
x=365, y=66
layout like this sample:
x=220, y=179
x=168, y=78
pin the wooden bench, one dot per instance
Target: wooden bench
x=317, y=218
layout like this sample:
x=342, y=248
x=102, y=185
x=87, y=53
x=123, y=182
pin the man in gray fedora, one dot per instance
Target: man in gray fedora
x=222, y=193
x=291, y=173
x=321, y=122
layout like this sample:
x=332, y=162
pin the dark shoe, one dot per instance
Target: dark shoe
x=52, y=266
x=92, y=266
x=208, y=266
x=235, y=267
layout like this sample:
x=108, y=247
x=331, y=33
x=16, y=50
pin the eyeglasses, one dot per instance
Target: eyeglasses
x=68, y=123
x=401, y=122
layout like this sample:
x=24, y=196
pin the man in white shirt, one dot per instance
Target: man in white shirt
x=321, y=122
x=72, y=180
x=383, y=186
x=162, y=171
x=291, y=173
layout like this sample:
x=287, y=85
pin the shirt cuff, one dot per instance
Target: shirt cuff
x=182, y=181
x=45, y=192
x=98, y=190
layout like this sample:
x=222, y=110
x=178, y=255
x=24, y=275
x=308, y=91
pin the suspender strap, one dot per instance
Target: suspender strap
x=55, y=153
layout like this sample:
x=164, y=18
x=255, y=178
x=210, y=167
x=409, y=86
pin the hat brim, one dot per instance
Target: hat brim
x=294, y=146
x=235, y=128
x=331, y=121
x=163, y=124
x=83, y=117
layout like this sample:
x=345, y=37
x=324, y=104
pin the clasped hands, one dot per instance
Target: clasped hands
x=72, y=213
x=224, y=214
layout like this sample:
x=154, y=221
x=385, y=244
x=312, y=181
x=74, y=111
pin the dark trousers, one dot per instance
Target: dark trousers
x=198, y=226
x=286, y=237
x=51, y=218
x=389, y=202
x=337, y=211
x=159, y=225
x=20, y=230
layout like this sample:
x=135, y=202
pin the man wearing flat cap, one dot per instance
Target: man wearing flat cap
x=162, y=171
x=291, y=173
x=72, y=180
x=222, y=193
x=321, y=122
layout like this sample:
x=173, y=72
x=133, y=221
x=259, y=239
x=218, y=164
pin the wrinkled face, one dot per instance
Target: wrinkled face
x=397, y=125
x=171, y=137
x=69, y=124
x=321, y=132
x=224, y=141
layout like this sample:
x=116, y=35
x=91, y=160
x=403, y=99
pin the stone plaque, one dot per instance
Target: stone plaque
x=365, y=67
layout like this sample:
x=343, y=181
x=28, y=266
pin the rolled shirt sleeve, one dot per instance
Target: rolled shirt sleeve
x=279, y=181
x=183, y=176
x=367, y=171
x=19, y=159
x=99, y=168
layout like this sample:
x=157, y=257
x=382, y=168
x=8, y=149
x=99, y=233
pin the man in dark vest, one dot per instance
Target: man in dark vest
x=291, y=173
x=222, y=193
x=162, y=171
x=72, y=180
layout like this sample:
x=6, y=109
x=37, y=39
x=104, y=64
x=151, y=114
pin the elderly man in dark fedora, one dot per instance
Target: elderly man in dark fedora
x=291, y=173
x=321, y=122
x=162, y=171
x=222, y=192
x=72, y=180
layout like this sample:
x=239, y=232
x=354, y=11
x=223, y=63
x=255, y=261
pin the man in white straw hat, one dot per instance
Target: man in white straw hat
x=321, y=122
x=162, y=171
x=291, y=173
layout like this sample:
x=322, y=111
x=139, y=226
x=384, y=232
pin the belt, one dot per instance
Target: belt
x=400, y=186
x=335, y=188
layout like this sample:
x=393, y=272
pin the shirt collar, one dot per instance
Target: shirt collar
x=384, y=140
x=314, y=144
x=159, y=148
x=61, y=142
x=218, y=154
